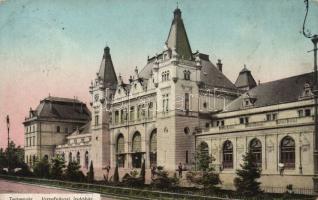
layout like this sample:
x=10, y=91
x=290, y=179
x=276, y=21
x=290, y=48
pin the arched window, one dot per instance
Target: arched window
x=70, y=157
x=287, y=152
x=136, y=148
x=256, y=151
x=120, y=149
x=78, y=157
x=136, y=142
x=86, y=160
x=227, y=155
x=153, y=148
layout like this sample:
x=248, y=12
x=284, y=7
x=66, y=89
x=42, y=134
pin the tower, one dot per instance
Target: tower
x=102, y=90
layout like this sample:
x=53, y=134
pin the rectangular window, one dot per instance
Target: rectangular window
x=66, y=130
x=274, y=116
x=307, y=112
x=132, y=113
x=186, y=101
x=241, y=120
x=268, y=117
x=96, y=120
x=246, y=120
x=33, y=141
x=300, y=113
x=116, y=117
x=150, y=110
x=165, y=103
x=58, y=129
x=138, y=112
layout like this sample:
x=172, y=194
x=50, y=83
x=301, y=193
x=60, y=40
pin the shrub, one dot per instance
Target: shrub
x=24, y=171
x=209, y=180
x=161, y=180
x=42, y=168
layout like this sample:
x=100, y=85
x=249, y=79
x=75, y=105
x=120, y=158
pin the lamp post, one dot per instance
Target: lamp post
x=314, y=39
x=8, y=128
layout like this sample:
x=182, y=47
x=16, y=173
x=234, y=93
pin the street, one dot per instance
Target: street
x=17, y=187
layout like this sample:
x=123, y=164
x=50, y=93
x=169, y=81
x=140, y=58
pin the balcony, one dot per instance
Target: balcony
x=262, y=124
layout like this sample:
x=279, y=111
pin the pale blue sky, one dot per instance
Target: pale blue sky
x=56, y=46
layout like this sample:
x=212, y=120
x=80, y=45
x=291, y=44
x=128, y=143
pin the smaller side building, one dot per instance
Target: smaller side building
x=49, y=124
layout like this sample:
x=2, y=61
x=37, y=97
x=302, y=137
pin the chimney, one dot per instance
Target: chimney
x=219, y=65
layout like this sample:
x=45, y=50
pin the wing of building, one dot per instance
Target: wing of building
x=181, y=99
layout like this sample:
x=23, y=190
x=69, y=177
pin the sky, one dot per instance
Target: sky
x=55, y=47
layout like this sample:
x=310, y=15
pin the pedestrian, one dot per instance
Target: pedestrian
x=180, y=170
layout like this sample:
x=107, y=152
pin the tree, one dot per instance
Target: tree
x=246, y=182
x=3, y=159
x=202, y=157
x=204, y=175
x=58, y=164
x=42, y=168
x=90, y=173
x=73, y=173
x=116, y=175
x=14, y=157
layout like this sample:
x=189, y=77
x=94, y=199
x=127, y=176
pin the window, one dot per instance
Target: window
x=256, y=151
x=150, y=110
x=136, y=149
x=86, y=160
x=153, y=148
x=287, y=152
x=207, y=125
x=307, y=112
x=220, y=123
x=227, y=155
x=165, y=103
x=187, y=157
x=300, y=113
x=186, y=101
x=33, y=141
x=78, y=157
x=132, y=113
x=271, y=116
x=165, y=76
x=205, y=105
x=244, y=120
x=116, y=117
x=186, y=130
x=138, y=112
x=120, y=149
x=186, y=74
x=58, y=129
x=66, y=130
x=96, y=120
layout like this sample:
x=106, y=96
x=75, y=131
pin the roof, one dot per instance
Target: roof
x=85, y=129
x=107, y=71
x=61, y=108
x=177, y=38
x=275, y=92
x=245, y=79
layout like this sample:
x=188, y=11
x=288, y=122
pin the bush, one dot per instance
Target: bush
x=131, y=180
x=209, y=180
x=42, y=168
x=161, y=179
x=24, y=171
x=116, y=175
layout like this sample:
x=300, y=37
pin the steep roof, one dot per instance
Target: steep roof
x=177, y=38
x=107, y=71
x=245, y=79
x=210, y=75
x=275, y=92
x=61, y=108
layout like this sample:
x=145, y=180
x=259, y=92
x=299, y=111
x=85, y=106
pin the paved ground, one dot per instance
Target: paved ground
x=16, y=187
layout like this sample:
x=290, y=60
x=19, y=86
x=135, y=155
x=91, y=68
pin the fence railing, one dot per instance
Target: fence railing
x=113, y=190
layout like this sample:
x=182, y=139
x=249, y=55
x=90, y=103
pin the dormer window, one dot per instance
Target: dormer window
x=307, y=92
x=248, y=100
x=186, y=74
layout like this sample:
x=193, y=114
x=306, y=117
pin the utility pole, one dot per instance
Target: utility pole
x=314, y=39
x=8, y=127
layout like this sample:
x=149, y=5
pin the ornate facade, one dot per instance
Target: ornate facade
x=180, y=100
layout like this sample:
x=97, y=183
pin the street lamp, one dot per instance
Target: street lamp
x=314, y=39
